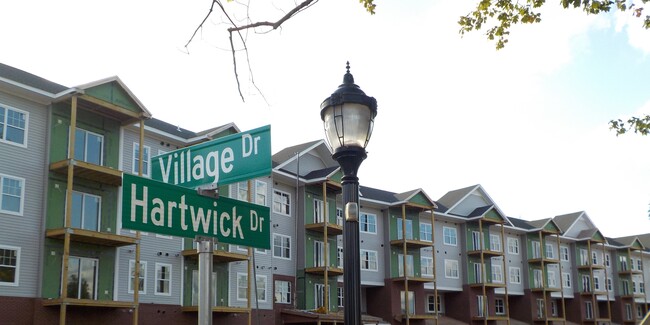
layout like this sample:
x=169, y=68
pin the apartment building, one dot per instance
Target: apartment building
x=65, y=257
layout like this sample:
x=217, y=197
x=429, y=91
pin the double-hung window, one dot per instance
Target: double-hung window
x=495, y=243
x=281, y=202
x=451, y=269
x=408, y=229
x=426, y=232
x=142, y=277
x=13, y=126
x=550, y=253
x=282, y=292
x=409, y=265
x=163, y=279
x=426, y=266
x=514, y=274
x=368, y=260
x=513, y=245
x=12, y=194
x=368, y=223
x=282, y=246
x=564, y=253
x=497, y=273
x=146, y=159
x=9, y=265
x=450, y=236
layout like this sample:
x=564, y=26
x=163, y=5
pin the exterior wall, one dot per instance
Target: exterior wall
x=449, y=252
x=29, y=164
x=515, y=260
x=370, y=241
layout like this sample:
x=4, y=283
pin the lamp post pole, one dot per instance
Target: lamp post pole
x=348, y=116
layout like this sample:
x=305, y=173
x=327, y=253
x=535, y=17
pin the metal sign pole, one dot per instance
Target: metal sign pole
x=205, y=250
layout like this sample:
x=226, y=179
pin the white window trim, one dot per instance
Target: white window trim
x=513, y=240
x=3, y=140
x=422, y=259
x=500, y=272
x=290, y=249
x=266, y=284
x=17, y=278
x=422, y=226
x=375, y=223
x=265, y=194
x=147, y=172
x=376, y=269
x=288, y=203
x=452, y=263
x=99, y=212
x=144, y=279
x=498, y=243
x=568, y=253
x=512, y=268
x=241, y=275
x=564, y=278
x=455, y=236
x=101, y=157
x=157, y=279
x=22, y=195
x=283, y=293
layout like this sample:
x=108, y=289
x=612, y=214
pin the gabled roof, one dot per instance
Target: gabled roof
x=565, y=221
x=289, y=153
x=628, y=242
x=451, y=198
x=188, y=135
x=30, y=80
x=115, y=80
x=591, y=234
x=520, y=223
x=417, y=196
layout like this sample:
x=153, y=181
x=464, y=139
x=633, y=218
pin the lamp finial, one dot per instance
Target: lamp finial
x=348, y=79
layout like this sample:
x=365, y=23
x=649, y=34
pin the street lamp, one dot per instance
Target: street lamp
x=348, y=116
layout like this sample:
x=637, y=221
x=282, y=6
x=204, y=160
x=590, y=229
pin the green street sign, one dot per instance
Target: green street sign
x=222, y=161
x=152, y=206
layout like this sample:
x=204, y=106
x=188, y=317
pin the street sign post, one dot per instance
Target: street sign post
x=221, y=161
x=152, y=206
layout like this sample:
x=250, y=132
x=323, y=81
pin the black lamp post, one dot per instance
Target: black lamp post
x=348, y=116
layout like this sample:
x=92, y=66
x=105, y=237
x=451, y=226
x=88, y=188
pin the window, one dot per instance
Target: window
x=499, y=306
x=497, y=273
x=639, y=311
x=586, y=283
x=594, y=258
x=86, y=210
x=88, y=146
x=639, y=264
x=608, y=261
x=478, y=272
x=450, y=236
x=195, y=288
x=242, y=287
x=82, y=278
x=409, y=265
x=641, y=287
x=432, y=304
x=554, y=308
x=163, y=279
x=282, y=246
x=536, y=247
x=408, y=230
x=9, y=265
x=609, y=284
x=538, y=282
x=319, y=253
x=260, y=193
x=480, y=306
x=540, y=308
x=634, y=287
x=514, y=275
x=339, y=296
x=451, y=269
x=513, y=245
x=596, y=284
x=411, y=302
x=566, y=277
x=564, y=253
x=13, y=126
x=339, y=217
x=368, y=223
x=550, y=253
x=368, y=260
x=626, y=287
x=426, y=232
x=623, y=261
x=339, y=256
x=281, y=202
x=426, y=266
x=242, y=191
x=318, y=211
x=142, y=276
x=552, y=283
x=146, y=159
x=583, y=257
x=628, y=311
x=319, y=295
x=495, y=243
x=12, y=194
x=589, y=312
x=282, y=292
x=477, y=242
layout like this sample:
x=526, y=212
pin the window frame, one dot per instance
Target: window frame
x=4, y=124
x=410, y=265
x=158, y=267
x=566, y=279
x=282, y=246
x=499, y=273
x=409, y=228
x=499, y=306
x=495, y=246
x=424, y=234
x=565, y=257
x=369, y=260
x=285, y=294
x=517, y=275
x=85, y=148
x=21, y=181
x=426, y=266
x=83, y=210
x=451, y=267
x=281, y=194
x=146, y=163
x=365, y=223
x=263, y=195
x=16, y=268
x=450, y=236
x=513, y=249
x=142, y=274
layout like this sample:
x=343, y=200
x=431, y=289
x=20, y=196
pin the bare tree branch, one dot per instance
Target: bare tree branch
x=238, y=29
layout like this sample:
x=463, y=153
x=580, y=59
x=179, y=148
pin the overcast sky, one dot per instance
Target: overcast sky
x=529, y=122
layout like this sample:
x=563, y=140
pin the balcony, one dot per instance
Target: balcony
x=414, y=279
x=332, y=228
x=486, y=252
x=218, y=255
x=92, y=172
x=488, y=284
x=88, y=303
x=217, y=309
x=91, y=237
x=320, y=270
x=545, y=260
x=411, y=243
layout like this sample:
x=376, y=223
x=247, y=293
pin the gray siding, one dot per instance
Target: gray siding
x=515, y=260
x=29, y=163
x=448, y=252
x=373, y=242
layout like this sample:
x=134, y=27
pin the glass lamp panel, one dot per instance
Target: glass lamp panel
x=348, y=125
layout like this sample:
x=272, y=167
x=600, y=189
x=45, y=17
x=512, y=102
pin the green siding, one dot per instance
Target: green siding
x=52, y=262
x=492, y=214
x=191, y=264
x=395, y=261
x=310, y=238
x=315, y=193
x=306, y=286
x=421, y=199
x=114, y=93
x=551, y=227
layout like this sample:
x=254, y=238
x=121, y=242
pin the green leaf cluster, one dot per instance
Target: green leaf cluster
x=499, y=15
x=369, y=5
x=640, y=125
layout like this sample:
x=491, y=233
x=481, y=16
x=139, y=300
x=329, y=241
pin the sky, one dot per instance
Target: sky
x=528, y=122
